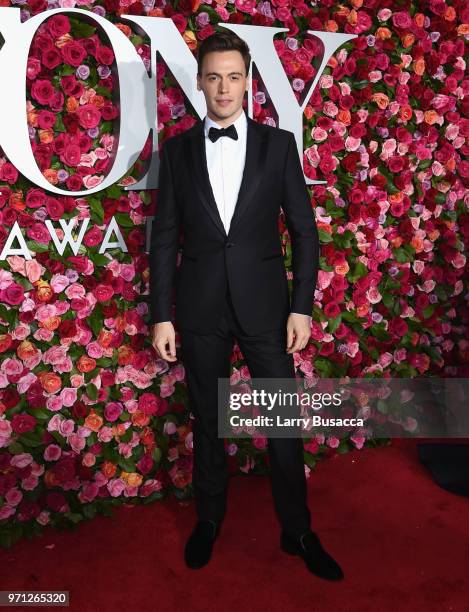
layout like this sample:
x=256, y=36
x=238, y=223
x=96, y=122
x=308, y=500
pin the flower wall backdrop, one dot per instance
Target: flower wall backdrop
x=89, y=417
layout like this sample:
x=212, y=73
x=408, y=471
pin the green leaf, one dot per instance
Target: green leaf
x=97, y=209
x=81, y=29
x=324, y=236
x=127, y=465
x=92, y=391
x=334, y=323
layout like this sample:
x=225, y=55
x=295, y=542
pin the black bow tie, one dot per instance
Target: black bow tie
x=214, y=133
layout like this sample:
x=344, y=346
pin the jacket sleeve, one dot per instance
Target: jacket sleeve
x=301, y=224
x=164, y=243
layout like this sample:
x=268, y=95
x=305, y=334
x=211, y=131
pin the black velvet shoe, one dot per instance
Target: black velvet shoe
x=199, y=546
x=317, y=560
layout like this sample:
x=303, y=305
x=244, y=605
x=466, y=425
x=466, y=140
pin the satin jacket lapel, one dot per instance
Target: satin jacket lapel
x=256, y=152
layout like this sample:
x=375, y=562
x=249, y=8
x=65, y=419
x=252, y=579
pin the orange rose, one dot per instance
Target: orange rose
x=362, y=311
x=50, y=382
x=32, y=118
x=147, y=437
x=51, y=323
x=140, y=419
x=118, y=430
x=45, y=136
x=331, y=26
x=395, y=198
x=124, y=29
x=381, y=100
x=71, y=104
x=383, y=33
x=155, y=13
x=43, y=290
x=125, y=355
x=326, y=227
x=417, y=243
x=16, y=201
x=419, y=66
x=408, y=40
x=63, y=40
x=463, y=29
x=120, y=323
x=451, y=164
x=105, y=338
x=344, y=116
x=308, y=111
x=132, y=478
x=396, y=242
x=450, y=13
x=419, y=19
x=93, y=421
x=51, y=175
x=190, y=39
x=26, y=350
x=352, y=17
x=108, y=469
x=342, y=268
x=430, y=117
x=86, y=364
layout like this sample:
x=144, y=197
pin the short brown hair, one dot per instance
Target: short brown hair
x=223, y=41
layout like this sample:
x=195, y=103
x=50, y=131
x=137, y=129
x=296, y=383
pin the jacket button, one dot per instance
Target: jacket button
x=229, y=244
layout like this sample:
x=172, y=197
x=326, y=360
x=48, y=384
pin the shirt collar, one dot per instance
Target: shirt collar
x=240, y=124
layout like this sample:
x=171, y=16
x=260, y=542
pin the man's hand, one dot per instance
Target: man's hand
x=163, y=335
x=298, y=329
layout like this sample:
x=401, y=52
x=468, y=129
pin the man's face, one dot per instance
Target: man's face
x=224, y=82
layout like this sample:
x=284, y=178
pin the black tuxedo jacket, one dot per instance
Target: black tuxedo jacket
x=249, y=258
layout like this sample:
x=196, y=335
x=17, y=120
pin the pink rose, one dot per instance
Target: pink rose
x=113, y=410
x=68, y=395
x=21, y=460
x=52, y=452
x=115, y=487
x=66, y=427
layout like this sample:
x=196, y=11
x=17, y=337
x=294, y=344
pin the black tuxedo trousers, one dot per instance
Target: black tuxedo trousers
x=206, y=358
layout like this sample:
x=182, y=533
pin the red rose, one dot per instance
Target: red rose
x=88, y=116
x=71, y=155
x=105, y=55
x=73, y=53
x=80, y=410
x=58, y=25
x=21, y=423
x=145, y=464
x=8, y=173
x=64, y=470
x=51, y=58
x=27, y=510
x=54, y=208
x=103, y=293
x=331, y=310
x=398, y=327
x=42, y=91
x=13, y=294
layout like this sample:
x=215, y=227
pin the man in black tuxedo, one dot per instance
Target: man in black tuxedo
x=223, y=182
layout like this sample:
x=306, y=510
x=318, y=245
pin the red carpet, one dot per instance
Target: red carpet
x=402, y=541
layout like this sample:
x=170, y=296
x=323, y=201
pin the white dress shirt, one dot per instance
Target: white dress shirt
x=225, y=164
